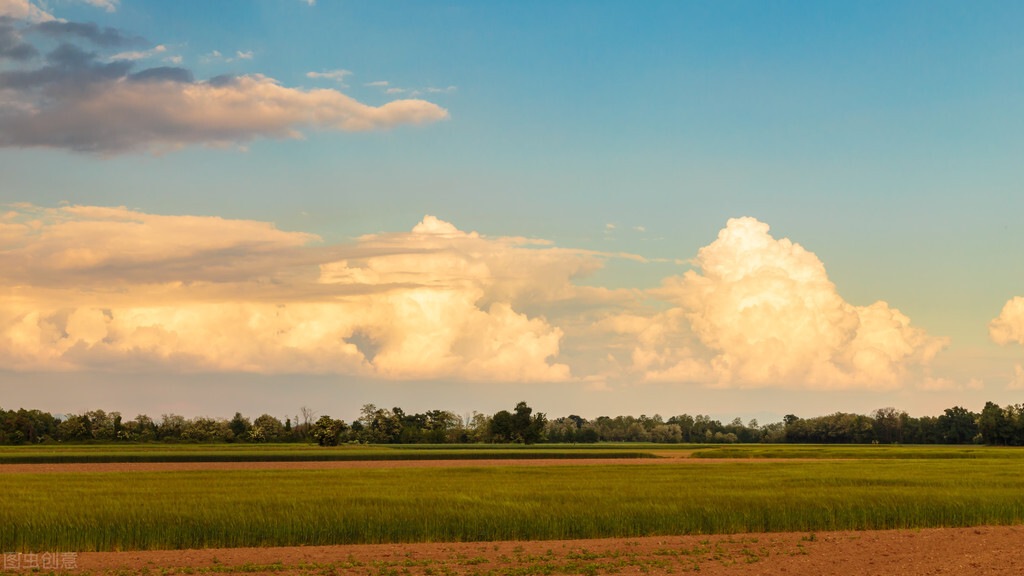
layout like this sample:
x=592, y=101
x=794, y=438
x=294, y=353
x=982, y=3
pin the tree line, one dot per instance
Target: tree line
x=994, y=425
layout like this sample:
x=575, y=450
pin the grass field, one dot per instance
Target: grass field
x=102, y=453
x=848, y=451
x=150, y=510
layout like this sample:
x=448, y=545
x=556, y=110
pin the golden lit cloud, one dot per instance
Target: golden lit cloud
x=762, y=312
x=74, y=98
x=208, y=294
x=24, y=10
x=1008, y=327
x=164, y=112
x=93, y=288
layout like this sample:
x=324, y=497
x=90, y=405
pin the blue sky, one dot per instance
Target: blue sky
x=883, y=137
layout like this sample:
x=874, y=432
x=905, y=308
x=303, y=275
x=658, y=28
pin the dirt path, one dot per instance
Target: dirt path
x=325, y=465
x=987, y=550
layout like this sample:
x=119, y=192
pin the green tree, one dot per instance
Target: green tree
x=888, y=425
x=328, y=431
x=239, y=425
x=957, y=425
x=527, y=427
x=270, y=427
x=74, y=428
x=501, y=427
x=992, y=423
x=385, y=427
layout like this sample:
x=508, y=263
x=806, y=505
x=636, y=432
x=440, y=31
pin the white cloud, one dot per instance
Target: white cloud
x=1008, y=327
x=337, y=75
x=377, y=83
x=108, y=5
x=410, y=91
x=114, y=289
x=761, y=312
x=136, y=55
x=211, y=56
x=24, y=10
x=239, y=55
x=160, y=115
x=34, y=12
x=95, y=288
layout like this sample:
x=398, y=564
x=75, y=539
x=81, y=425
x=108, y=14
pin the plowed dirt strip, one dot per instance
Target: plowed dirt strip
x=987, y=550
x=324, y=465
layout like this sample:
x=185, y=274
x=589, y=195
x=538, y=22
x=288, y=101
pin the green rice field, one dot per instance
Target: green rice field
x=848, y=451
x=105, y=453
x=197, y=509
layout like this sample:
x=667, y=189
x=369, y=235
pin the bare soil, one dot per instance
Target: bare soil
x=986, y=550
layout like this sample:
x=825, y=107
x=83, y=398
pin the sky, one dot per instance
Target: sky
x=739, y=209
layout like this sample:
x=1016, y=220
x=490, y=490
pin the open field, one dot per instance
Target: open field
x=197, y=509
x=852, y=451
x=986, y=550
x=86, y=453
x=90, y=467
x=112, y=453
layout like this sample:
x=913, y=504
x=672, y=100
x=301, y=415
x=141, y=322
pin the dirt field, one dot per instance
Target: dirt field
x=983, y=550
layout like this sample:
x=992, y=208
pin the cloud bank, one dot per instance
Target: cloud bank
x=114, y=289
x=74, y=98
x=98, y=288
x=761, y=312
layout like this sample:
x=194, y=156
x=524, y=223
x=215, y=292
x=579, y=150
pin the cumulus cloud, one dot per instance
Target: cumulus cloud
x=99, y=246
x=1008, y=327
x=74, y=99
x=23, y=10
x=99, y=288
x=761, y=312
x=235, y=295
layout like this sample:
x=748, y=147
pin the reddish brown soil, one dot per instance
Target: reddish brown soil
x=987, y=550
x=172, y=466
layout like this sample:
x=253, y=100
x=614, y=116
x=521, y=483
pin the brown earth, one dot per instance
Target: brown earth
x=986, y=550
x=173, y=466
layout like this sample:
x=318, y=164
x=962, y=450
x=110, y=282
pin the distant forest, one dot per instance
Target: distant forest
x=994, y=425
